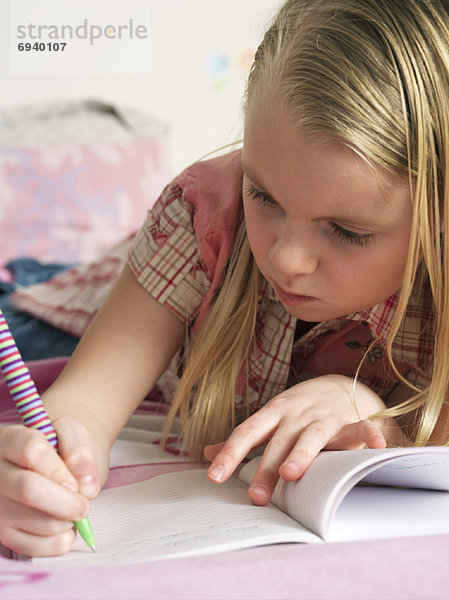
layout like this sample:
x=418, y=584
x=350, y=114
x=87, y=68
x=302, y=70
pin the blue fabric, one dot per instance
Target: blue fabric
x=28, y=271
x=35, y=339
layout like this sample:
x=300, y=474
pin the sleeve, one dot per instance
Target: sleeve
x=165, y=258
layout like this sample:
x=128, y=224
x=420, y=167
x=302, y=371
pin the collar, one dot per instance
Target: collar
x=378, y=317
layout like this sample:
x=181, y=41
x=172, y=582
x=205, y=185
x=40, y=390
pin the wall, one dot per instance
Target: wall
x=200, y=54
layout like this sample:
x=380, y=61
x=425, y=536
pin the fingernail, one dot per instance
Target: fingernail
x=291, y=466
x=258, y=490
x=217, y=473
x=88, y=484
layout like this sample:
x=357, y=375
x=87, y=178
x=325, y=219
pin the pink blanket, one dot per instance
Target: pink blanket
x=407, y=568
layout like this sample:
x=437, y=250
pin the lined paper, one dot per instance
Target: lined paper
x=179, y=514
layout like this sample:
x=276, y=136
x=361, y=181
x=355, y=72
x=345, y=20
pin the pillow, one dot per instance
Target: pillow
x=70, y=204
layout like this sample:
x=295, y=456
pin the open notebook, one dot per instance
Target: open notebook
x=182, y=514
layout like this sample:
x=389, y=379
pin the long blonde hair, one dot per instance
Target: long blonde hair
x=374, y=74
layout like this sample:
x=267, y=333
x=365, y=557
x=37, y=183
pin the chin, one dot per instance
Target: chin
x=317, y=315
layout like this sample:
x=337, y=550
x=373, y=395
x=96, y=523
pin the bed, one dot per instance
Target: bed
x=55, y=163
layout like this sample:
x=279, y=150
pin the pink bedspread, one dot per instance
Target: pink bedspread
x=407, y=568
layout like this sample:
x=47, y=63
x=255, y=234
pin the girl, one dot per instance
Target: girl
x=304, y=279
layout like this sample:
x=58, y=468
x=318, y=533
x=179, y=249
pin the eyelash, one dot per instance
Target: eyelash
x=351, y=237
x=347, y=236
x=260, y=196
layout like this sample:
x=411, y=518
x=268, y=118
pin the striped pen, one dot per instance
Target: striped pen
x=29, y=404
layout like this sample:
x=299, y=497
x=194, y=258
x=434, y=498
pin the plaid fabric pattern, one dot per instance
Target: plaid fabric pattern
x=165, y=257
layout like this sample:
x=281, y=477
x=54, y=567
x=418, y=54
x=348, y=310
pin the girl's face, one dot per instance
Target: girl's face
x=328, y=232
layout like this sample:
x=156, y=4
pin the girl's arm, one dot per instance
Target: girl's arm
x=119, y=359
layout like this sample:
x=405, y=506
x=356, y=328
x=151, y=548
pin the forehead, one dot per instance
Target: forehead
x=296, y=168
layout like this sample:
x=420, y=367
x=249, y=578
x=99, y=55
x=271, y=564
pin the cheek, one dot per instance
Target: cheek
x=392, y=261
x=375, y=276
x=259, y=233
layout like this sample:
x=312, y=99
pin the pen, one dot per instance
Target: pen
x=29, y=404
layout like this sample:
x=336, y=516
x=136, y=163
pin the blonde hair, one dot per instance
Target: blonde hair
x=373, y=74
x=205, y=396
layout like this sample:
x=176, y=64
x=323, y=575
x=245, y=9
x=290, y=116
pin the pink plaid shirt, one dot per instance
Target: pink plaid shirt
x=179, y=255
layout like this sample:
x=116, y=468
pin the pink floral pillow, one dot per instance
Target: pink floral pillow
x=72, y=203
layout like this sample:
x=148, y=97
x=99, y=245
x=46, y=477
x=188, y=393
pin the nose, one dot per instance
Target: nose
x=294, y=253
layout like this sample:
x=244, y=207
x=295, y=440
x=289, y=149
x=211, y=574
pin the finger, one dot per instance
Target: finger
x=211, y=451
x=32, y=521
x=76, y=449
x=29, y=449
x=246, y=436
x=31, y=489
x=358, y=435
x=267, y=475
x=311, y=441
x=28, y=544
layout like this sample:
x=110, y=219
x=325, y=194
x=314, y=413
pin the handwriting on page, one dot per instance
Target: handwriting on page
x=413, y=462
x=213, y=531
x=414, y=472
x=180, y=514
x=176, y=543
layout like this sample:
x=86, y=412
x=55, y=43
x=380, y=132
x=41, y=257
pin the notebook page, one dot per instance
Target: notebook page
x=179, y=514
x=383, y=512
x=313, y=499
x=428, y=468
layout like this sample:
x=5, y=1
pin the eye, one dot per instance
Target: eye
x=351, y=237
x=262, y=197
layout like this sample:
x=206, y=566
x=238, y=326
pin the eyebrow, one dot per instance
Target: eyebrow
x=349, y=220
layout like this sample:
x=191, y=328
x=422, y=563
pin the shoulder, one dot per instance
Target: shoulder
x=180, y=253
x=212, y=189
x=205, y=201
x=207, y=196
x=210, y=192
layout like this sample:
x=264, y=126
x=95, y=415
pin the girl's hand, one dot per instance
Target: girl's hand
x=310, y=416
x=43, y=492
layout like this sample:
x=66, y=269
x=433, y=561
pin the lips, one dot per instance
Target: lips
x=290, y=298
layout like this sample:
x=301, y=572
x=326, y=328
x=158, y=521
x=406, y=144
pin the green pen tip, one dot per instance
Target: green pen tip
x=85, y=529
